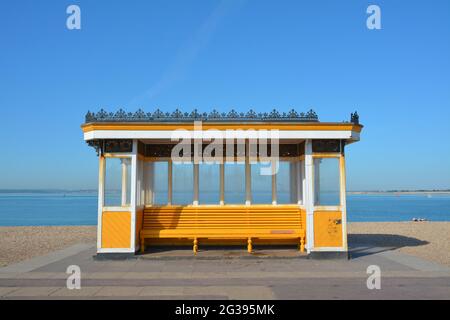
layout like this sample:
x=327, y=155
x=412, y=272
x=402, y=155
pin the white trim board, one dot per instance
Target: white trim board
x=238, y=134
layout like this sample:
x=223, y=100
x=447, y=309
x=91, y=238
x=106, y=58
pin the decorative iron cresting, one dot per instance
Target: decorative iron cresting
x=165, y=150
x=111, y=145
x=284, y=150
x=326, y=145
x=118, y=145
x=214, y=115
x=97, y=145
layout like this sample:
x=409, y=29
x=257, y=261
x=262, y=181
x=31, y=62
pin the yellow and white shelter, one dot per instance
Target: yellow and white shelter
x=220, y=178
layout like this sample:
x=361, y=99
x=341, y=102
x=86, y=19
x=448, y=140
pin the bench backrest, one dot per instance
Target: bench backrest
x=263, y=217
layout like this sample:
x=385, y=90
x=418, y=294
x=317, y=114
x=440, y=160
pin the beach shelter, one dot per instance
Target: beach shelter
x=198, y=179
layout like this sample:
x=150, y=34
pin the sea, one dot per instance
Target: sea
x=80, y=208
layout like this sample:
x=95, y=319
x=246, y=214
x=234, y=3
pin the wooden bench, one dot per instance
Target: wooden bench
x=226, y=222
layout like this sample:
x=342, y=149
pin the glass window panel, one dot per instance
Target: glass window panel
x=326, y=182
x=113, y=181
x=287, y=182
x=234, y=183
x=182, y=183
x=160, y=183
x=209, y=183
x=261, y=185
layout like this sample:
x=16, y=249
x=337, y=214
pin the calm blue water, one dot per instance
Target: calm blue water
x=81, y=209
x=392, y=207
x=47, y=209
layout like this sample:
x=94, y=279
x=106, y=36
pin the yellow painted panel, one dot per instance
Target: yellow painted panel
x=327, y=229
x=116, y=230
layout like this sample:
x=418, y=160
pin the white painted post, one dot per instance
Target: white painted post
x=169, y=183
x=343, y=200
x=101, y=198
x=274, y=182
x=309, y=196
x=148, y=182
x=140, y=189
x=299, y=182
x=133, y=193
x=293, y=182
x=222, y=184
x=248, y=175
x=124, y=181
x=316, y=181
x=196, y=184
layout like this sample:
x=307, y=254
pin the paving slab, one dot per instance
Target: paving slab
x=231, y=292
x=82, y=292
x=414, y=262
x=331, y=288
x=37, y=262
x=5, y=290
x=162, y=291
x=112, y=291
x=39, y=292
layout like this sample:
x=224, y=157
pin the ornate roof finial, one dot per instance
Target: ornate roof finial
x=354, y=118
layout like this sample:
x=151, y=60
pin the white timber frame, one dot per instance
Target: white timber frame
x=308, y=196
x=342, y=207
x=131, y=208
x=141, y=190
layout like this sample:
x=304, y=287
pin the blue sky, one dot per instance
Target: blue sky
x=227, y=54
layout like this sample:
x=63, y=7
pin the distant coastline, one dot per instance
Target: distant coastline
x=47, y=191
x=94, y=191
x=416, y=192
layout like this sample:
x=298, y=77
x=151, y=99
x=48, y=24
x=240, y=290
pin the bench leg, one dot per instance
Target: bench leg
x=249, y=245
x=302, y=244
x=195, y=246
x=142, y=245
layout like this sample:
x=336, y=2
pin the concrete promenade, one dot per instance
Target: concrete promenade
x=226, y=274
